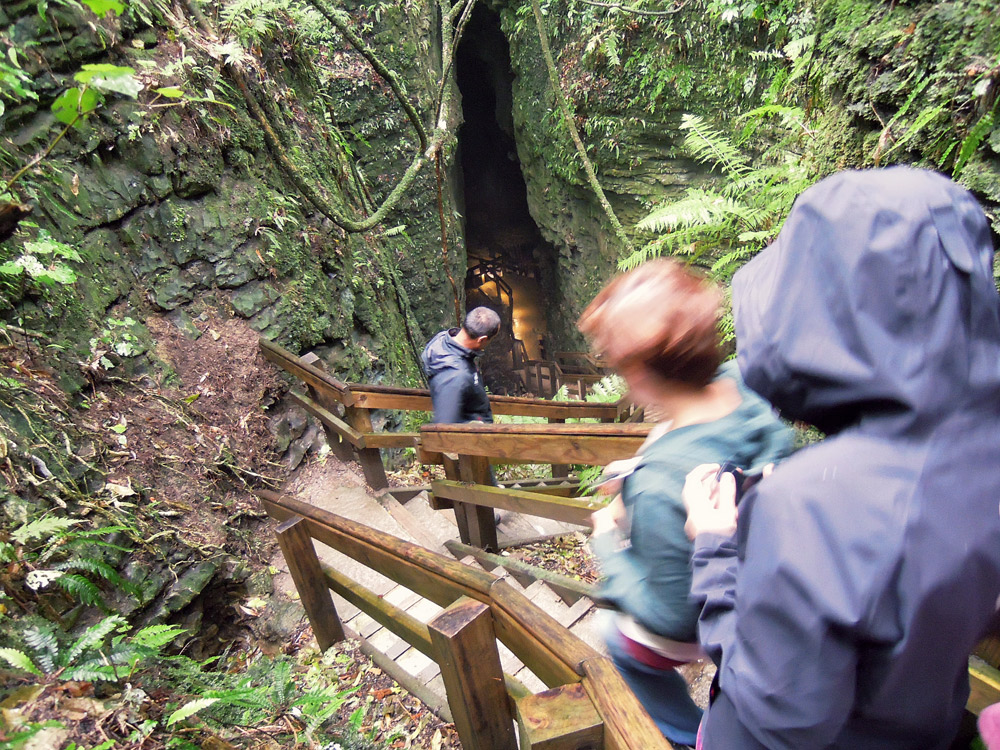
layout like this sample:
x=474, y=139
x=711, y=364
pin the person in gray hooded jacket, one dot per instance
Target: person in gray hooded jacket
x=842, y=606
x=449, y=361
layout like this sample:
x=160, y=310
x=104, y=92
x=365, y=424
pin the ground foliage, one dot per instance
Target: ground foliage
x=134, y=569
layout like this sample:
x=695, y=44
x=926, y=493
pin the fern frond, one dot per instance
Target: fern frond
x=43, y=528
x=19, y=660
x=711, y=146
x=971, y=142
x=698, y=207
x=93, y=637
x=80, y=588
x=190, y=709
x=42, y=640
x=91, y=671
x=158, y=636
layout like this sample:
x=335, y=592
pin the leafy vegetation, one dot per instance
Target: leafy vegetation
x=728, y=224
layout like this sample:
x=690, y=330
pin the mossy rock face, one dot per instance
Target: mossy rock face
x=911, y=83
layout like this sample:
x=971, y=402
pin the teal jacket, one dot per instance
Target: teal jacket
x=650, y=577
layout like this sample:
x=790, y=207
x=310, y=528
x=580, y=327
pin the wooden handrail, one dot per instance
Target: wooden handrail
x=307, y=373
x=592, y=444
x=431, y=575
x=537, y=639
x=567, y=509
x=365, y=396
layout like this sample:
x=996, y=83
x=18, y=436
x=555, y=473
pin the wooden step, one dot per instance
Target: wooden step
x=416, y=526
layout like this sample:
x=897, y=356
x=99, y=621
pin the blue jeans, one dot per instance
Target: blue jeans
x=662, y=692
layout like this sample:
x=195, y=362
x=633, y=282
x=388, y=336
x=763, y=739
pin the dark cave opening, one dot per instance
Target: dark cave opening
x=509, y=263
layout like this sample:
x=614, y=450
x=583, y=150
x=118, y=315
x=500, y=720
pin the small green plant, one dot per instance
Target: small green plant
x=52, y=550
x=118, y=337
x=42, y=261
x=102, y=653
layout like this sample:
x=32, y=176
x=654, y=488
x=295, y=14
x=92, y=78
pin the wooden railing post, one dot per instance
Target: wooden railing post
x=451, y=471
x=303, y=564
x=340, y=447
x=369, y=458
x=481, y=526
x=464, y=643
x=563, y=718
x=559, y=471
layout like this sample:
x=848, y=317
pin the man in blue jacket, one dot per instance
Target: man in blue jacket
x=449, y=361
x=842, y=606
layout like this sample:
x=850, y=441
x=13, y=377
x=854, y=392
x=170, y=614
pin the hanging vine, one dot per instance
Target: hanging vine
x=453, y=19
x=588, y=166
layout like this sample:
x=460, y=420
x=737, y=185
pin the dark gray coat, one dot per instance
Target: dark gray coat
x=866, y=568
x=456, y=385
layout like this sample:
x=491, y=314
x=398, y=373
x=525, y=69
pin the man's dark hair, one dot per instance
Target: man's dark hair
x=481, y=321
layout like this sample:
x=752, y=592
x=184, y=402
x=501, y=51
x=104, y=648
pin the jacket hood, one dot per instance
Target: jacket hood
x=876, y=302
x=443, y=352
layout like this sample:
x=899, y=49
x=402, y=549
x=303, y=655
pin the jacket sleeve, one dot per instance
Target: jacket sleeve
x=713, y=586
x=782, y=621
x=651, y=583
x=448, y=394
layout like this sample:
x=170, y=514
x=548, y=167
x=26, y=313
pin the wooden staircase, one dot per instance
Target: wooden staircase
x=416, y=521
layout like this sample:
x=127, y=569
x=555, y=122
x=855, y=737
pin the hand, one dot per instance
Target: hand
x=618, y=470
x=711, y=505
x=608, y=518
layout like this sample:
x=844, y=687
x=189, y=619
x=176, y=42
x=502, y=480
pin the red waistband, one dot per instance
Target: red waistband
x=645, y=655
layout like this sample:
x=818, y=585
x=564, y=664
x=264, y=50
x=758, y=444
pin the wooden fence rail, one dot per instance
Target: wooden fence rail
x=589, y=702
x=344, y=410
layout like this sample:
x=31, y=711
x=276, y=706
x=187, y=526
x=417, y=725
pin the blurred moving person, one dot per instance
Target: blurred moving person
x=658, y=327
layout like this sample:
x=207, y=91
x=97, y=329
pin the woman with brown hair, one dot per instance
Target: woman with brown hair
x=658, y=327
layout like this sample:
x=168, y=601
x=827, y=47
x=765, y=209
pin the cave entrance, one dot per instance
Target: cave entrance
x=509, y=264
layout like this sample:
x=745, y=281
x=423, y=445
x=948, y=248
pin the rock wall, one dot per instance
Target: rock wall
x=183, y=207
x=179, y=208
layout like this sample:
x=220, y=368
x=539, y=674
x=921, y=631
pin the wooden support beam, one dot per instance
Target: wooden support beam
x=984, y=686
x=566, y=509
x=369, y=458
x=329, y=420
x=391, y=617
x=592, y=444
x=544, y=486
x=563, y=718
x=481, y=524
x=303, y=564
x=569, y=589
x=392, y=439
x=465, y=643
x=559, y=471
x=451, y=470
x=626, y=723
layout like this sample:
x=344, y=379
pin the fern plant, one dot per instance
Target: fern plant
x=729, y=224
x=102, y=652
x=57, y=552
x=265, y=693
x=726, y=225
